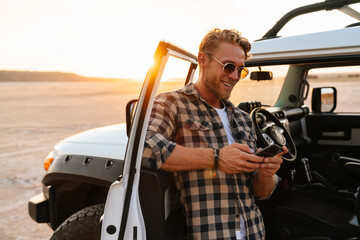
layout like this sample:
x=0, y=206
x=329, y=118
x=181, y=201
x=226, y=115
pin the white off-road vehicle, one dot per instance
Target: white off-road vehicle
x=303, y=92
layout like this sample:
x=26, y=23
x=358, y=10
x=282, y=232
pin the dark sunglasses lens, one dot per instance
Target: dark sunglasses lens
x=229, y=68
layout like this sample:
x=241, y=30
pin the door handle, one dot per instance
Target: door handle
x=334, y=134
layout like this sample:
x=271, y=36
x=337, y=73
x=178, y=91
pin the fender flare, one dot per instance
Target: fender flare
x=88, y=169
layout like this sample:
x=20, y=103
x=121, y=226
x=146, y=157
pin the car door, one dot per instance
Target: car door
x=337, y=129
x=123, y=215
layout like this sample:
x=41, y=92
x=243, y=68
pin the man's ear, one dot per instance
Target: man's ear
x=202, y=59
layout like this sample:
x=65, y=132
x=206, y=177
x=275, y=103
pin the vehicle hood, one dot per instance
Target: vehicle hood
x=108, y=141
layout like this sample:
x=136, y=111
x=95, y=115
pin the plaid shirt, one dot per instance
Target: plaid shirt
x=212, y=202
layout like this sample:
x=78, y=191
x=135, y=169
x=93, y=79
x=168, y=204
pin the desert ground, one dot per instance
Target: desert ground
x=33, y=117
x=36, y=115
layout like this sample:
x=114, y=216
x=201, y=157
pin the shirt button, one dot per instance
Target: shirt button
x=237, y=215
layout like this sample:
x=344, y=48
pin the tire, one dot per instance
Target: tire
x=82, y=225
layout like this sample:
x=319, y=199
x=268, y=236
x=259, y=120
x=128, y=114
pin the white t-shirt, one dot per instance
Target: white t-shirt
x=240, y=235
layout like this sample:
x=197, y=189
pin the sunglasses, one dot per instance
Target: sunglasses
x=229, y=68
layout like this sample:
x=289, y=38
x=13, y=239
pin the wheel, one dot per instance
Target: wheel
x=82, y=225
x=269, y=130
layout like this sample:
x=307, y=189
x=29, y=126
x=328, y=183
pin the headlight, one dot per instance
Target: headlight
x=48, y=160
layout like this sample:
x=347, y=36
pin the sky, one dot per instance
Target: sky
x=108, y=38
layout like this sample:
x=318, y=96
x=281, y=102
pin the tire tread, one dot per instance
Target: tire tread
x=83, y=224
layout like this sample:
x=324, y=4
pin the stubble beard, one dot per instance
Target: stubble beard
x=214, y=86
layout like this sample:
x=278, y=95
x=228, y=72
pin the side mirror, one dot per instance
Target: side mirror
x=261, y=75
x=130, y=109
x=323, y=99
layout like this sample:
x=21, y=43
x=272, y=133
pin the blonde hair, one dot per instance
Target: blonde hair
x=212, y=39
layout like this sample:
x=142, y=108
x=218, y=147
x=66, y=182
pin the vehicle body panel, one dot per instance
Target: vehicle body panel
x=306, y=48
x=107, y=142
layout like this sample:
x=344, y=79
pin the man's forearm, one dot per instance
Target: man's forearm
x=184, y=159
x=263, y=186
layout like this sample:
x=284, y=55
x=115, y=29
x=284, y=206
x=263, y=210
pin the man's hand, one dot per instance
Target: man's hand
x=271, y=165
x=264, y=180
x=239, y=158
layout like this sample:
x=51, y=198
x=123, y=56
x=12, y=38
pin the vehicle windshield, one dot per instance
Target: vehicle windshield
x=266, y=92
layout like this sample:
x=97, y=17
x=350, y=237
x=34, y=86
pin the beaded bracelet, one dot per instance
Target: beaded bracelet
x=216, y=158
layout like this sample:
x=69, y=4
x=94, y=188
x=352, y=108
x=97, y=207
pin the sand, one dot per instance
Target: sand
x=33, y=117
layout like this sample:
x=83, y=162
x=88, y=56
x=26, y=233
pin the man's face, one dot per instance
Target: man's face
x=216, y=81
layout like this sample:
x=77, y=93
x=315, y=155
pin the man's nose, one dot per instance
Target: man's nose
x=235, y=75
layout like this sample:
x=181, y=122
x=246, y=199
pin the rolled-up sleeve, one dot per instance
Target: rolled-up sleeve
x=277, y=180
x=161, y=130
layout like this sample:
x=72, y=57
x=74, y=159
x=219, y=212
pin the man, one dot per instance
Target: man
x=209, y=144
